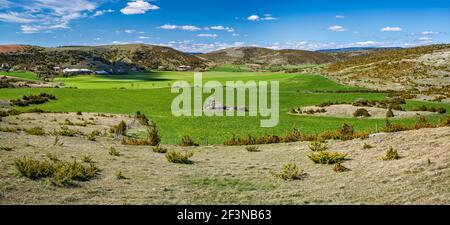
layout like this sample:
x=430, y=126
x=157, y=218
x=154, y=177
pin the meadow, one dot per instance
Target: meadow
x=150, y=94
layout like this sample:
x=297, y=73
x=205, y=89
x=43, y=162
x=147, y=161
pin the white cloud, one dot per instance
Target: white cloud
x=391, y=29
x=425, y=39
x=337, y=28
x=47, y=15
x=97, y=39
x=14, y=17
x=234, y=35
x=229, y=29
x=102, y=12
x=340, y=17
x=253, y=18
x=130, y=31
x=119, y=43
x=366, y=44
x=143, y=37
x=208, y=35
x=269, y=18
x=138, y=7
x=429, y=33
x=176, y=27
x=258, y=18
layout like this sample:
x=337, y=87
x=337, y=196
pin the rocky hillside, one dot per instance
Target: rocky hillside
x=116, y=57
x=267, y=57
x=421, y=70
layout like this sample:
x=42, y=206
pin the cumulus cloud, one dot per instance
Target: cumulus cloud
x=130, y=31
x=176, y=27
x=337, y=28
x=391, y=29
x=138, y=7
x=46, y=15
x=258, y=18
x=229, y=29
x=208, y=35
x=102, y=12
x=340, y=17
x=143, y=37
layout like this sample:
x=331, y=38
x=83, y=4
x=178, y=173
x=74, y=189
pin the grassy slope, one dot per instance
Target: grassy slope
x=295, y=91
x=20, y=74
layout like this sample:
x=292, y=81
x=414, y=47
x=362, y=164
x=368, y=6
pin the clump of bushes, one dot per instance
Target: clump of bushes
x=114, y=152
x=289, y=172
x=153, y=134
x=440, y=110
x=87, y=159
x=179, y=157
x=391, y=154
x=143, y=120
x=119, y=129
x=252, y=149
x=159, y=149
x=33, y=99
x=346, y=132
x=367, y=146
x=445, y=122
x=390, y=127
x=423, y=123
x=317, y=146
x=327, y=157
x=187, y=141
x=61, y=173
x=38, y=131
x=66, y=132
x=339, y=168
x=361, y=112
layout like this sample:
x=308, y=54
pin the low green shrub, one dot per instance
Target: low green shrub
x=187, y=141
x=423, y=123
x=38, y=131
x=361, y=112
x=179, y=157
x=289, y=172
x=143, y=120
x=252, y=149
x=317, y=146
x=339, y=168
x=327, y=157
x=153, y=134
x=34, y=169
x=159, y=149
x=391, y=154
x=114, y=152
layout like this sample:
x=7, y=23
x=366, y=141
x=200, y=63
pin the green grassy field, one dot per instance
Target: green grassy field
x=150, y=94
x=20, y=74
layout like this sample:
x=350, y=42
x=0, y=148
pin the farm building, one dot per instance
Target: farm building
x=184, y=68
x=101, y=72
x=77, y=71
x=5, y=66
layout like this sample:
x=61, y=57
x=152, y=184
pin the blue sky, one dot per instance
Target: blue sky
x=207, y=25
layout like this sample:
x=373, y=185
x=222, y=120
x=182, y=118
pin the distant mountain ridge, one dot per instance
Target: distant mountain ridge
x=266, y=57
x=355, y=49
